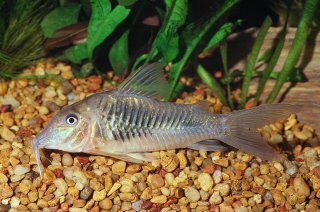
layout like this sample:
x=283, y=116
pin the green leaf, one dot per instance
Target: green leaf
x=195, y=34
x=60, y=17
x=85, y=70
x=119, y=54
x=126, y=3
x=249, y=69
x=167, y=40
x=266, y=55
x=77, y=53
x=102, y=24
x=222, y=33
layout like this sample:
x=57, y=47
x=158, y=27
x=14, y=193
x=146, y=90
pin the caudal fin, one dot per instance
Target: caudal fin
x=242, y=128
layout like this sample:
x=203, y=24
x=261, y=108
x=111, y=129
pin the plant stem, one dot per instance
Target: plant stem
x=298, y=43
x=224, y=58
x=212, y=83
x=248, y=72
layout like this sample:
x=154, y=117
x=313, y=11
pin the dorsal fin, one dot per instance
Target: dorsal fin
x=148, y=80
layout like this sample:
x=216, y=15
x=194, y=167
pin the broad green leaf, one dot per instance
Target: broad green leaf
x=77, y=53
x=102, y=24
x=85, y=70
x=119, y=54
x=60, y=17
x=167, y=40
x=127, y=3
x=194, y=34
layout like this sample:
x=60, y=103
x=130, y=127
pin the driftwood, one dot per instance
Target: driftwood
x=306, y=94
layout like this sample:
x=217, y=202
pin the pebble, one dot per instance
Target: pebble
x=119, y=167
x=86, y=193
x=205, y=181
x=165, y=191
x=215, y=198
x=127, y=186
x=99, y=195
x=7, y=134
x=115, y=187
x=157, y=181
x=223, y=188
x=134, y=168
x=62, y=187
x=67, y=159
x=106, y=204
x=15, y=202
x=301, y=187
x=224, y=162
x=159, y=199
x=291, y=168
x=20, y=170
x=137, y=205
x=182, y=160
x=6, y=191
x=3, y=178
x=169, y=161
x=192, y=194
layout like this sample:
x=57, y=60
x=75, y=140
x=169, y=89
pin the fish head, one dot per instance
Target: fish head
x=69, y=130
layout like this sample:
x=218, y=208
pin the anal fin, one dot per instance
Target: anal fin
x=208, y=145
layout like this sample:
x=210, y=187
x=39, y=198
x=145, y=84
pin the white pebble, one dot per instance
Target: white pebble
x=137, y=205
x=15, y=202
x=68, y=173
x=67, y=159
x=62, y=187
x=165, y=191
x=20, y=170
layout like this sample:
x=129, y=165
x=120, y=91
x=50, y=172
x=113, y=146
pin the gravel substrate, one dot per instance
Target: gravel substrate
x=182, y=180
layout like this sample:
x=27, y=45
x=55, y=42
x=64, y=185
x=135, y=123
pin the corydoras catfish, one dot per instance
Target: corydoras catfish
x=130, y=122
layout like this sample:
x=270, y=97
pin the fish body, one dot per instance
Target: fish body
x=130, y=122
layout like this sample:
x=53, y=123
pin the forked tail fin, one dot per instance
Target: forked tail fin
x=241, y=128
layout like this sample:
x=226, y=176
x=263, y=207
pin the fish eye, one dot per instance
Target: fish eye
x=71, y=119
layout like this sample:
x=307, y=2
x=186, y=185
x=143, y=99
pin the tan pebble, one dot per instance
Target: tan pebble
x=115, y=187
x=43, y=110
x=205, y=181
x=64, y=206
x=157, y=181
x=278, y=166
x=79, y=203
x=106, y=204
x=276, y=139
x=6, y=191
x=75, y=209
x=181, y=180
x=264, y=169
x=215, y=198
x=99, y=195
x=73, y=192
x=169, y=161
x=240, y=165
x=42, y=203
x=159, y=199
x=224, y=162
x=127, y=197
x=290, y=123
x=165, y=191
x=7, y=134
x=95, y=184
x=182, y=160
x=119, y=167
x=134, y=168
x=300, y=135
x=53, y=202
x=258, y=180
x=301, y=187
x=192, y=194
x=146, y=194
x=223, y=188
x=33, y=196
x=169, y=177
x=198, y=161
x=3, y=87
x=3, y=178
x=127, y=186
x=7, y=119
x=108, y=183
x=62, y=187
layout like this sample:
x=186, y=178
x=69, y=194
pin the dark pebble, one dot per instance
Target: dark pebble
x=86, y=193
x=53, y=107
x=66, y=87
x=146, y=205
x=5, y=108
